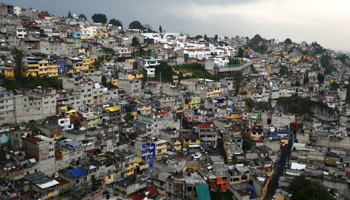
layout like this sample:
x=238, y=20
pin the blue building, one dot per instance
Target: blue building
x=278, y=132
x=76, y=34
x=4, y=134
x=148, y=149
x=61, y=67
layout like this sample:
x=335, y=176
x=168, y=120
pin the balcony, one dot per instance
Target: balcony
x=146, y=154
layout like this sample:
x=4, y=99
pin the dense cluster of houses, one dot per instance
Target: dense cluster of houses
x=114, y=132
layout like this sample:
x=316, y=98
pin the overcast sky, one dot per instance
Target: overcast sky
x=324, y=21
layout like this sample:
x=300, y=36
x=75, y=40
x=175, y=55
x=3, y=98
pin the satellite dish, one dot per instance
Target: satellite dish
x=56, y=175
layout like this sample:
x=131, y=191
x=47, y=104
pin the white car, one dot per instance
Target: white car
x=197, y=155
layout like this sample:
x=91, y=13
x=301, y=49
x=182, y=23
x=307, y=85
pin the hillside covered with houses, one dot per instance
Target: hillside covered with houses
x=98, y=110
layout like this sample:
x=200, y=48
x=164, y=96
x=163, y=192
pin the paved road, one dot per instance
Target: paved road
x=285, y=152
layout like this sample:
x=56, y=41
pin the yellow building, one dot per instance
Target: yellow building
x=9, y=72
x=79, y=66
x=109, y=178
x=237, y=117
x=114, y=81
x=101, y=33
x=63, y=34
x=51, y=195
x=141, y=163
x=134, y=75
x=177, y=144
x=295, y=59
x=216, y=92
x=90, y=61
x=195, y=102
x=190, y=141
x=161, y=148
x=130, y=169
x=145, y=108
x=42, y=68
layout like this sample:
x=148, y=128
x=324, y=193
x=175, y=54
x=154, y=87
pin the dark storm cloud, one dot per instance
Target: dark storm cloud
x=269, y=18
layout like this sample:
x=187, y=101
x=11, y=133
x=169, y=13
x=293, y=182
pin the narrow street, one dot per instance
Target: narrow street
x=285, y=153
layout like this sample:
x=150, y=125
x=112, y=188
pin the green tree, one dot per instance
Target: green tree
x=82, y=16
x=109, y=51
x=326, y=63
x=97, y=63
x=249, y=103
x=135, y=25
x=342, y=57
x=99, y=18
x=19, y=77
x=240, y=52
x=257, y=43
x=18, y=56
x=334, y=85
x=69, y=14
x=320, y=78
x=247, y=141
x=304, y=189
x=315, y=68
x=205, y=37
x=306, y=78
x=216, y=37
x=288, y=41
x=104, y=81
x=238, y=76
x=115, y=22
x=347, y=87
x=198, y=37
x=76, y=124
x=128, y=117
x=135, y=41
x=283, y=70
x=234, y=159
x=160, y=29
